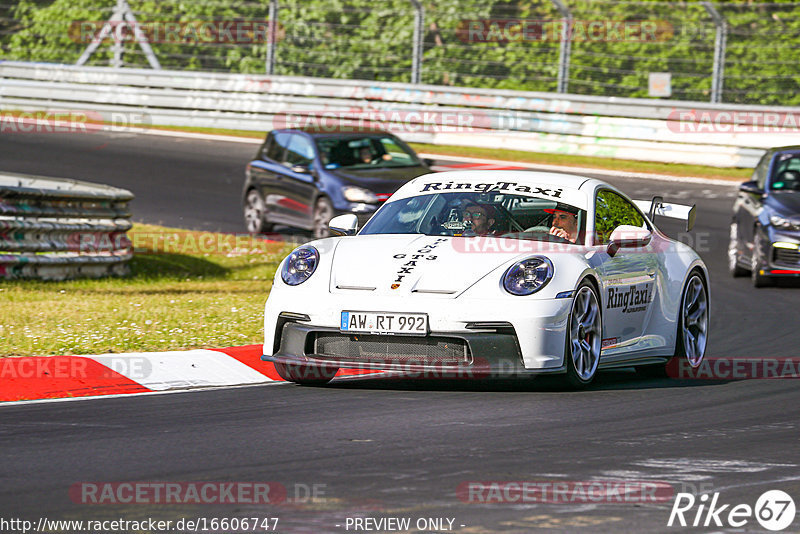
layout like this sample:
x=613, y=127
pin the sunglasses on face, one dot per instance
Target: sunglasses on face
x=473, y=214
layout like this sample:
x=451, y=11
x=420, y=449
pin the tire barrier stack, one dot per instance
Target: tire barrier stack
x=57, y=229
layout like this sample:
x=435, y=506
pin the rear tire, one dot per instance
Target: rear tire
x=734, y=268
x=692, y=335
x=693, y=321
x=584, y=337
x=306, y=375
x=323, y=213
x=255, y=212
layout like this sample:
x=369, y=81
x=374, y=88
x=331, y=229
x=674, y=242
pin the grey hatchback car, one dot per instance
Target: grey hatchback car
x=304, y=177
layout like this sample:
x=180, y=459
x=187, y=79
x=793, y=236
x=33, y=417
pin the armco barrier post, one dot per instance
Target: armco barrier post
x=54, y=229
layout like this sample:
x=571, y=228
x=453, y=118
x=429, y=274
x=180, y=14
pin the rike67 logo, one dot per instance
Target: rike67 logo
x=774, y=510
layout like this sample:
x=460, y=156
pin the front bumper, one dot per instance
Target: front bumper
x=783, y=254
x=464, y=334
x=472, y=355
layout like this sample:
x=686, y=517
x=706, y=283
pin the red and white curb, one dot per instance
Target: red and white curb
x=56, y=377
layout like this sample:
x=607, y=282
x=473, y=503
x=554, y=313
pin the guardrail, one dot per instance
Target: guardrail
x=625, y=128
x=54, y=229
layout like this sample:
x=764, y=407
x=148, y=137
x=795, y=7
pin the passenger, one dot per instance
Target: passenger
x=565, y=222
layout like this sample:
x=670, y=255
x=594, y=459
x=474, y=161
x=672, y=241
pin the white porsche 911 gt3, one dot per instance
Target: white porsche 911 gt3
x=487, y=273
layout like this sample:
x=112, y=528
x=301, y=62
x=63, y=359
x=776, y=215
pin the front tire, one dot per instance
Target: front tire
x=584, y=337
x=305, y=375
x=323, y=213
x=757, y=263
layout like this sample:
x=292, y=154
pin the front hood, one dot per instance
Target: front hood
x=414, y=264
x=381, y=179
x=785, y=203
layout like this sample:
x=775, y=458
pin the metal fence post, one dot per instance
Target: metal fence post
x=416, y=60
x=272, y=36
x=565, y=48
x=122, y=12
x=720, y=42
x=118, y=47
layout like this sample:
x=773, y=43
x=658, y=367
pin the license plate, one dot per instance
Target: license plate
x=384, y=323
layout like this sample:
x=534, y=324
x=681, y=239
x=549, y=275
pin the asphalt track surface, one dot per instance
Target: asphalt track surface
x=401, y=448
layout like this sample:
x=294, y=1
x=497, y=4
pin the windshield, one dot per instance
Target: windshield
x=489, y=214
x=786, y=176
x=364, y=152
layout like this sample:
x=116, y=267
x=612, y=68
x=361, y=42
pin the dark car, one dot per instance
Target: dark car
x=302, y=178
x=765, y=231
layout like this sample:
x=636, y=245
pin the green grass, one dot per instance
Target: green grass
x=181, y=294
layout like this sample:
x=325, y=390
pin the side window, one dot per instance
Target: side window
x=760, y=174
x=277, y=149
x=300, y=151
x=785, y=173
x=265, y=148
x=612, y=210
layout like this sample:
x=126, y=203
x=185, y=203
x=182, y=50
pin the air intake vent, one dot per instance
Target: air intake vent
x=392, y=349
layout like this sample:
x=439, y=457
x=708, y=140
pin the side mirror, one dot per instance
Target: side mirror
x=301, y=169
x=626, y=236
x=751, y=187
x=343, y=225
x=428, y=162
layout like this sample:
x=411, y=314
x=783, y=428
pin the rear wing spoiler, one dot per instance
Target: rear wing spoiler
x=657, y=206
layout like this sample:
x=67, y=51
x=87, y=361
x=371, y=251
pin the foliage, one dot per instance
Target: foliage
x=363, y=39
x=612, y=211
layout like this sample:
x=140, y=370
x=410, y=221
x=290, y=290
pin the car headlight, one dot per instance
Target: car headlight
x=528, y=276
x=359, y=194
x=300, y=265
x=781, y=222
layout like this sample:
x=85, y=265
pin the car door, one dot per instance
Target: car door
x=748, y=206
x=629, y=277
x=299, y=183
x=267, y=175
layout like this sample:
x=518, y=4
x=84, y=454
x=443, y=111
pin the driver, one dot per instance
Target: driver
x=565, y=222
x=481, y=216
x=365, y=154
